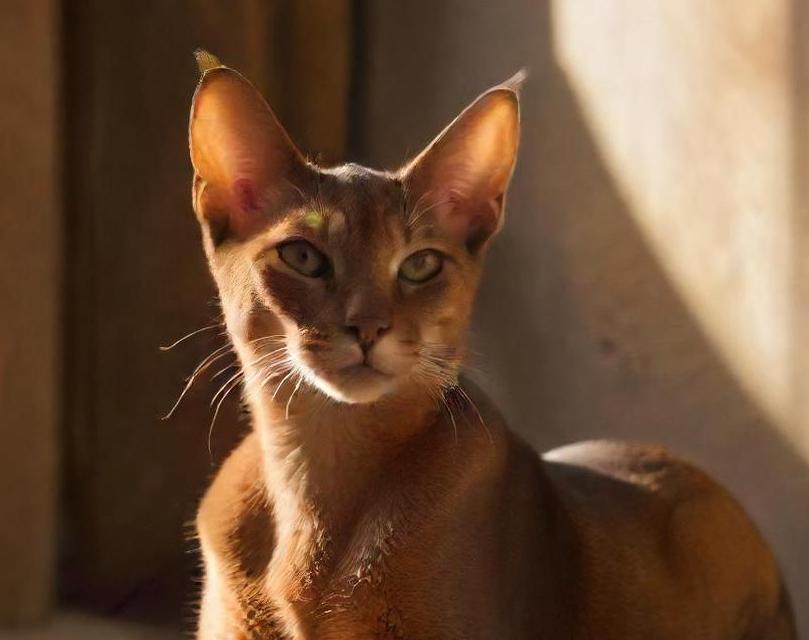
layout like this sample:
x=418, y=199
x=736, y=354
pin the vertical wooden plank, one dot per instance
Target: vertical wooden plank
x=30, y=279
x=317, y=48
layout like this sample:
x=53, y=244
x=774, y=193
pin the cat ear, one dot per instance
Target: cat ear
x=461, y=178
x=243, y=158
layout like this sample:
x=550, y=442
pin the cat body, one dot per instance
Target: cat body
x=379, y=496
x=480, y=538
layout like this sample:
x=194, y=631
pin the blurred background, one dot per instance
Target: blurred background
x=651, y=282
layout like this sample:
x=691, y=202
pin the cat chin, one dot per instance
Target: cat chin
x=356, y=385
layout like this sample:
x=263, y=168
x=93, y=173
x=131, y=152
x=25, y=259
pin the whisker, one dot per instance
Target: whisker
x=190, y=335
x=223, y=370
x=276, y=369
x=266, y=356
x=451, y=417
x=280, y=384
x=270, y=373
x=240, y=373
x=214, y=356
x=416, y=205
x=292, y=395
x=216, y=412
x=438, y=366
x=415, y=217
x=297, y=189
x=203, y=366
x=278, y=336
x=235, y=377
x=471, y=402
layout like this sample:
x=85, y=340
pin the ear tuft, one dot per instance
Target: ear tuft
x=515, y=82
x=206, y=61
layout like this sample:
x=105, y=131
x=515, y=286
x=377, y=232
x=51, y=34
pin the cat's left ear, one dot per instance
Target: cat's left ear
x=460, y=179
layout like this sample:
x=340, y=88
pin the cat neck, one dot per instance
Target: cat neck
x=323, y=457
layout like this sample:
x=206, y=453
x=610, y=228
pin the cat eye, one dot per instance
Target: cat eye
x=421, y=266
x=303, y=258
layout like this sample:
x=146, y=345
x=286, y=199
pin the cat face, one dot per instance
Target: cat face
x=367, y=297
x=360, y=282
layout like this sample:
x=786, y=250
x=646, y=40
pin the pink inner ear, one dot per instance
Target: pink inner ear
x=246, y=209
x=244, y=193
x=468, y=221
x=456, y=222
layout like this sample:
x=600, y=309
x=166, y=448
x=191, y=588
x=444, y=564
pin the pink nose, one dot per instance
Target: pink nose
x=367, y=330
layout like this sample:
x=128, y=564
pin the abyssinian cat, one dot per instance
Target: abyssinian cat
x=379, y=495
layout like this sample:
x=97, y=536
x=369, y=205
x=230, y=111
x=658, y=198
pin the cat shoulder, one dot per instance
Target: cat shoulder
x=237, y=496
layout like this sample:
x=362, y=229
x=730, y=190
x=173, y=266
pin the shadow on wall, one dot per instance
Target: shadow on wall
x=581, y=334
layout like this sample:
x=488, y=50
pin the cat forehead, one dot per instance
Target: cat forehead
x=352, y=187
x=354, y=202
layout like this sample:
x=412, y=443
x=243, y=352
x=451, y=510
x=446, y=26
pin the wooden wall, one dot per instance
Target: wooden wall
x=30, y=304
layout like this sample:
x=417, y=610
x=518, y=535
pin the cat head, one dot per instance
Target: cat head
x=359, y=281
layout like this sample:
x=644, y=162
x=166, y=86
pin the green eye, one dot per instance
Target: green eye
x=303, y=258
x=421, y=266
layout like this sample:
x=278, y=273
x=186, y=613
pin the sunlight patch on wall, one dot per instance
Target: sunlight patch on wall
x=689, y=104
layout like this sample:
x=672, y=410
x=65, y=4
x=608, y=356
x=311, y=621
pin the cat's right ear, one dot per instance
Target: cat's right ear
x=460, y=180
x=243, y=159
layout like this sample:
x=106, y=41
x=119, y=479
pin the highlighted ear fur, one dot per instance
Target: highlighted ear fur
x=462, y=176
x=243, y=158
x=206, y=60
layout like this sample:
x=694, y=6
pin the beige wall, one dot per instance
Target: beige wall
x=689, y=105
x=645, y=284
x=30, y=303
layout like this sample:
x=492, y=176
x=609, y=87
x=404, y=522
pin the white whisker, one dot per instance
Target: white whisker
x=235, y=384
x=292, y=395
x=234, y=378
x=223, y=370
x=280, y=384
x=203, y=366
x=190, y=335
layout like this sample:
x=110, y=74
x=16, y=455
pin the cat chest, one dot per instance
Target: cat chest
x=352, y=610
x=321, y=599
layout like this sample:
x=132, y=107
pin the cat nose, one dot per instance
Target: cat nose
x=368, y=330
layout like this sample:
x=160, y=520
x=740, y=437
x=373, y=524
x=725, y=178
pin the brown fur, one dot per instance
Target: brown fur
x=377, y=497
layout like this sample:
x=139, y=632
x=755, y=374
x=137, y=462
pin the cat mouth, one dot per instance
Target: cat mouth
x=364, y=369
